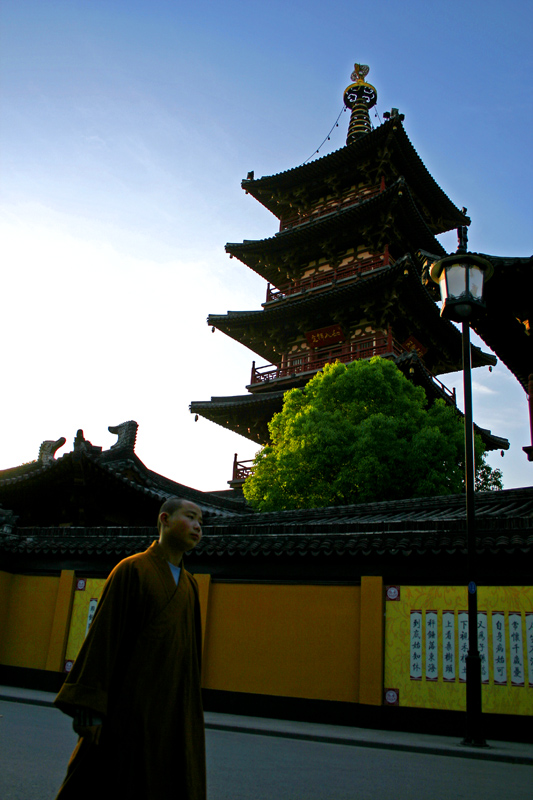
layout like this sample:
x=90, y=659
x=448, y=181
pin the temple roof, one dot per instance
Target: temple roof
x=423, y=516
x=95, y=487
x=405, y=535
x=249, y=415
x=507, y=326
x=389, y=218
x=386, y=150
x=393, y=294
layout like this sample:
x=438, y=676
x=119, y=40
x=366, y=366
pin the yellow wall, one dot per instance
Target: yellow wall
x=92, y=588
x=80, y=609
x=505, y=699
x=294, y=641
x=307, y=641
x=6, y=579
x=30, y=602
x=290, y=641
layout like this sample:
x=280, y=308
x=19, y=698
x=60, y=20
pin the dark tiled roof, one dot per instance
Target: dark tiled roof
x=250, y=414
x=252, y=328
x=120, y=541
x=275, y=191
x=237, y=401
x=391, y=214
x=133, y=475
x=511, y=504
x=508, y=323
x=423, y=525
x=247, y=414
x=393, y=528
x=376, y=542
x=116, y=468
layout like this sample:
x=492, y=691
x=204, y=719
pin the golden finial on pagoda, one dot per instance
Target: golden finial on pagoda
x=360, y=71
x=359, y=97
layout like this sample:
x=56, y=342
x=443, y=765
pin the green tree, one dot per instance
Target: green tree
x=358, y=433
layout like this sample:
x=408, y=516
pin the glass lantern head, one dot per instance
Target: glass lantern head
x=461, y=280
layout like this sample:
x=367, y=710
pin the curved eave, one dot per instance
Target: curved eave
x=247, y=415
x=509, y=315
x=390, y=218
x=149, y=487
x=254, y=328
x=387, y=142
x=236, y=403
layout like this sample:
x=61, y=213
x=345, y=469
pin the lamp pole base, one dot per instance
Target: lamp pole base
x=474, y=720
x=472, y=743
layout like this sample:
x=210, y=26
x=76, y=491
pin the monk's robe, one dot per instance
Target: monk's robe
x=139, y=669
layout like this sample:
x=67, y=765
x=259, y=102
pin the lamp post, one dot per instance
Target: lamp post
x=461, y=277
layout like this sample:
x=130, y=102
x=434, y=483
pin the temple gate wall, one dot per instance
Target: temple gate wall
x=27, y=618
x=318, y=641
x=505, y=635
x=284, y=640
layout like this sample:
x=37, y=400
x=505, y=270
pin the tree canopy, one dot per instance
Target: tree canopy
x=358, y=433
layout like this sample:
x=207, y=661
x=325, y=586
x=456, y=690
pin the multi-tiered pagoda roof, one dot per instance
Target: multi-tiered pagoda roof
x=348, y=274
x=386, y=151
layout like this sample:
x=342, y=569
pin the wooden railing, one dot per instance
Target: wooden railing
x=448, y=392
x=346, y=352
x=365, y=347
x=323, y=279
x=241, y=469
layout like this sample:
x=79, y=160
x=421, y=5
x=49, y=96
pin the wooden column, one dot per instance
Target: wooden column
x=60, y=627
x=371, y=641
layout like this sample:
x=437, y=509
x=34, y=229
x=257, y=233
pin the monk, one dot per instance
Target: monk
x=134, y=690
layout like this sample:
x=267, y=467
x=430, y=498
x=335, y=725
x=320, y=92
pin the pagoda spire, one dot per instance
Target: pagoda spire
x=359, y=96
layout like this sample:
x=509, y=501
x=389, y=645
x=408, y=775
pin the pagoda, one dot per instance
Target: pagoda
x=348, y=272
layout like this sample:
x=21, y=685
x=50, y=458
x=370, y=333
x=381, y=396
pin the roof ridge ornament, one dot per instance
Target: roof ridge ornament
x=360, y=97
x=127, y=435
x=48, y=449
x=83, y=446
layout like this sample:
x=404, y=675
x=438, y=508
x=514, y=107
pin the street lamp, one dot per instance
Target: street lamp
x=461, y=278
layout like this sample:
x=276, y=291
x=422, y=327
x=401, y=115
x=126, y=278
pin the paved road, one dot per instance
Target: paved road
x=249, y=767
x=35, y=743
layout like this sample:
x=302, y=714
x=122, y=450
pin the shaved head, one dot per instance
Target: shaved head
x=170, y=505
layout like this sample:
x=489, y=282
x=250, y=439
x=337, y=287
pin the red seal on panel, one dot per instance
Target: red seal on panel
x=392, y=592
x=392, y=697
x=81, y=583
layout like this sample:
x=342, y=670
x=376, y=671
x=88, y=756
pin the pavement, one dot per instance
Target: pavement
x=510, y=752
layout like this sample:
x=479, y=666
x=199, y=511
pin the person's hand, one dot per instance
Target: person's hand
x=91, y=733
x=84, y=725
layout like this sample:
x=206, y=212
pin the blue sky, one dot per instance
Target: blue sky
x=127, y=127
